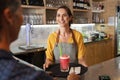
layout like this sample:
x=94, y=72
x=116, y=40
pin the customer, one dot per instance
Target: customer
x=10, y=22
x=70, y=40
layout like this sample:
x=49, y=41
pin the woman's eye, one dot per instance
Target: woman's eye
x=65, y=15
x=58, y=15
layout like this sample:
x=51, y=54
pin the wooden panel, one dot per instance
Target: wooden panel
x=109, y=50
x=110, y=6
x=90, y=54
x=98, y=52
x=110, y=31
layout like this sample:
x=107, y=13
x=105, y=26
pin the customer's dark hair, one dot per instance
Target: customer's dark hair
x=68, y=12
x=12, y=4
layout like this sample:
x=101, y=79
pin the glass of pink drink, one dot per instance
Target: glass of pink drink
x=64, y=63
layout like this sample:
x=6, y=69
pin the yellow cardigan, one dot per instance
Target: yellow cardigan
x=52, y=41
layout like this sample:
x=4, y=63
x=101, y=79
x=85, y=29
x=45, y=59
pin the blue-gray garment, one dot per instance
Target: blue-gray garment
x=12, y=69
x=67, y=48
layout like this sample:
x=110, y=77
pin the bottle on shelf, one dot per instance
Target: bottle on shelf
x=74, y=4
x=81, y=4
x=33, y=2
x=36, y=2
x=98, y=6
x=87, y=4
x=24, y=2
x=101, y=6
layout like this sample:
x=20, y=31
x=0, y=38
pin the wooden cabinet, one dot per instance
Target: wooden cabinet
x=90, y=54
x=100, y=52
x=46, y=14
x=108, y=50
x=97, y=52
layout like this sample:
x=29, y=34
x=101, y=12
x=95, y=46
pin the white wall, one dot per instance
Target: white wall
x=40, y=33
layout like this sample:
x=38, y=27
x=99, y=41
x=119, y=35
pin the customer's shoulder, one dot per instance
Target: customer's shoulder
x=29, y=72
x=18, y=71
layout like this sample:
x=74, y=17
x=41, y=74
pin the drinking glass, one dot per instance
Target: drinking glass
x=64, y=63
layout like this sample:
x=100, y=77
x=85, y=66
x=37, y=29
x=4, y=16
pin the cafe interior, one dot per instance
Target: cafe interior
x=97, y=20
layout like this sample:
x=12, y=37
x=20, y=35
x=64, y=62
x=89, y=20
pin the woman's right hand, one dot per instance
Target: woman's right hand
x=47, y=64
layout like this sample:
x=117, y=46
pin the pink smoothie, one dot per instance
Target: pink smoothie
x=64, y=63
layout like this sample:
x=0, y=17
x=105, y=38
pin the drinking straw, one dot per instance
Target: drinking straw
x=60, y=49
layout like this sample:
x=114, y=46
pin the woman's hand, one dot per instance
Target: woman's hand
x=73, y=76
x=47, y=64
x=82, y=61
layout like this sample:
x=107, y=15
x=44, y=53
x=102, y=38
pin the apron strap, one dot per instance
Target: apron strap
x=57, y=39
x=73, y=36
x=76, y=47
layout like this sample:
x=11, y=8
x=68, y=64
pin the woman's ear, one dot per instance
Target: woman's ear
x=8, y=15
x=71, y=18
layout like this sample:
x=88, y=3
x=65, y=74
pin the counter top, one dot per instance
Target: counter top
x=16, y=50
x=110, y=67
x=99, y=40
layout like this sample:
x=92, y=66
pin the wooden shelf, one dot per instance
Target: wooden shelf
x=98, y=11
x=98, y=0
x=52, y=8
x=31, y=6
x=49, y=12
x=83, y=10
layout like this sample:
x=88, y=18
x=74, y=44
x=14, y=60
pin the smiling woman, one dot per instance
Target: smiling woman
x=70, y=40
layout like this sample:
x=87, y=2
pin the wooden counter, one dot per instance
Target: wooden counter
x=33, y=56
x=98, y=51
